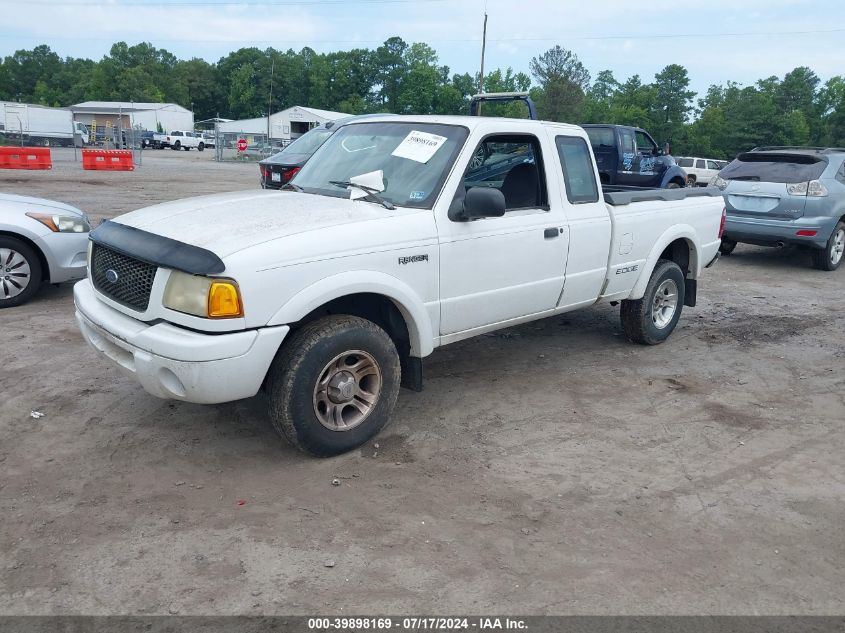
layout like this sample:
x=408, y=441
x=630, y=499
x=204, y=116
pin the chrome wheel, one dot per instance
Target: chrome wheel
x=665, y=304
x=837, y=247
x=15, y=273
x=347, y=390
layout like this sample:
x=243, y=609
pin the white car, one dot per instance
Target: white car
x=700, y=170
x=393, y=240
x=40, y=241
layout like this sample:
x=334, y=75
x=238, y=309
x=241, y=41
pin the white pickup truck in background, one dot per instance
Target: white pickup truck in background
x=401, y=234
x=181, y=139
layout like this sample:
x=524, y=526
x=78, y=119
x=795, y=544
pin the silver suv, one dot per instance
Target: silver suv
x=787, y=195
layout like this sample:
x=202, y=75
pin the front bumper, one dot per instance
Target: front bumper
x=760, y=231
x=66, y=255
x=174, y=363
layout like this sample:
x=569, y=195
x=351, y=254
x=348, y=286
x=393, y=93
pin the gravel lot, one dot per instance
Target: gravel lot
x=549, y=468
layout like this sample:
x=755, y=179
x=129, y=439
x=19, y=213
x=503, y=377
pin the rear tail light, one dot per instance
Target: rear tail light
x=815, y=189
x=719, y=182
x=812, y=189
x=806, y=233
x=290, y=173
x=264, y=171
x=722, y=223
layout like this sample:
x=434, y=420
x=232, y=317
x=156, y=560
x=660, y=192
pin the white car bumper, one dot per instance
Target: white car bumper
x=174, y=363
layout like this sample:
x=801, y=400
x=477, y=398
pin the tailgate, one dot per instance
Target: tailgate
x=763, y=199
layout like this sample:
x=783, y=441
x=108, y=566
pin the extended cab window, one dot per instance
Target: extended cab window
x=578, y=174
x=513, y=165
x=628, y=144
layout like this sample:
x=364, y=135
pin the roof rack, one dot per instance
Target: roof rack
x=770, y=148
x=478, y=99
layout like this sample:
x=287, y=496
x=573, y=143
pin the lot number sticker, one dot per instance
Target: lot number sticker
x=419, y=146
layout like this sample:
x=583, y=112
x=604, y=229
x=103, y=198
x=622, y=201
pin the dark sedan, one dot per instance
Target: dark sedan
x=278, y=169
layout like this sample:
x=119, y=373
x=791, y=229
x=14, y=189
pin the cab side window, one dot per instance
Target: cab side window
x=512, y=164
x=578, y=173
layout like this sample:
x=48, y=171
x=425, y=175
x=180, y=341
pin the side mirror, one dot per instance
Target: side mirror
x=479, y=202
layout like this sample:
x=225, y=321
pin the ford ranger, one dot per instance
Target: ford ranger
x=401, y=234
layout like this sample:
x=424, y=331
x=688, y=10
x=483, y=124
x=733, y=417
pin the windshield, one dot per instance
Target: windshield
x=414, y=158
x=780, y=168
x=306, y=144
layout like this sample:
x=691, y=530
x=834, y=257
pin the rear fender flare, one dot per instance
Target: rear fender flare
x=359, y=282
x=679, y=231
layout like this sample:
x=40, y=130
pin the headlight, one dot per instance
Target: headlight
x=204, y=297
x=62, y=223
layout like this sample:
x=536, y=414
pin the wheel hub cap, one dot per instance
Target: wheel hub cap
x=347, y=390
x=16, y=275
x=665, y=304
x=838, y=247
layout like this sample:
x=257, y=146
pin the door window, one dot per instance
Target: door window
x=711, y=164
x=699, y=164
x=645, y=144
x=513, y=165
x=578, y=173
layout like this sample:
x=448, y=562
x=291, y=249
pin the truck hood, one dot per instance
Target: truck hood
x=230, y=222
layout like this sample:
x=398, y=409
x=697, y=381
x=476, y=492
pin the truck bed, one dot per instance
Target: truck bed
x=618, y=195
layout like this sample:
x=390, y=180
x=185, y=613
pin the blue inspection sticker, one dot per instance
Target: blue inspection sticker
x=417, y=195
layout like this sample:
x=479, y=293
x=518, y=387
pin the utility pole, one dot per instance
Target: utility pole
x=483, y=50
x=270, y=101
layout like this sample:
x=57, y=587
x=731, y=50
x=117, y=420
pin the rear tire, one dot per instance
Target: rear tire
x=177, y=145
x=727, y=247
x=650, y=320
x=673, y=185
x=830, y=257
x=333, y=385
x=20, y=272
x=200, y=147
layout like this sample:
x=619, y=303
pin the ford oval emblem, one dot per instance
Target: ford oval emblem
x=112, y=276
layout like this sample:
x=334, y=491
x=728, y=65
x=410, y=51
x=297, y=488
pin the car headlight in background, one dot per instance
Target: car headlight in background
x=62, y=223
x=204, y=297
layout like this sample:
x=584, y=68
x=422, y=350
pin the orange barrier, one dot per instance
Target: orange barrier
x=25, y=158
x=108, y=159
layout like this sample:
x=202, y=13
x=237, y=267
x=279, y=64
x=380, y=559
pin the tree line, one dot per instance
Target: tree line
x=797, y=109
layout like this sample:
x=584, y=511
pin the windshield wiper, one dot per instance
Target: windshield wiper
x=291, y=186
x=370, y=191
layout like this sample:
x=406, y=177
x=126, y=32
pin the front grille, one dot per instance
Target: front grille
x=122, y=278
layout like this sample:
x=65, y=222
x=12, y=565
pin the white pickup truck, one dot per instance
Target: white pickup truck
x=401, y=234
x=181, y=139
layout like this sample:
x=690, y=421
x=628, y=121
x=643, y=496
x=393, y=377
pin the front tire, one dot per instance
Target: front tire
x=650, y=320
x=200, y=147
x=333, y=385
x=20, y=272
x=830, y=257
x=177, y=146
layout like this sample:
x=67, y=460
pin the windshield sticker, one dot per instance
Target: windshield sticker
x=419, y=146
x=417, y=195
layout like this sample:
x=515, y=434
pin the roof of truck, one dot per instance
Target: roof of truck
x=467, y=121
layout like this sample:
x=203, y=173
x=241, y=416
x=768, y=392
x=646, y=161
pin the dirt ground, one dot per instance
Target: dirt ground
x=552, y=468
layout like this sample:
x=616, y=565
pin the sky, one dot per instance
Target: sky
x=716, y=40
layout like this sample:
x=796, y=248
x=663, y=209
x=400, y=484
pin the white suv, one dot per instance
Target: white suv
x=700, y=170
